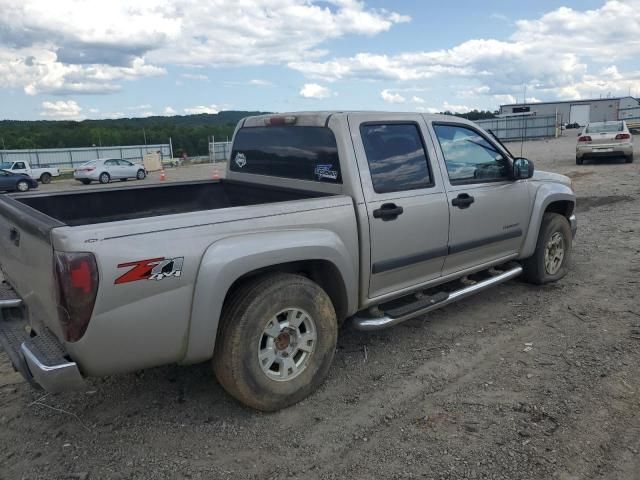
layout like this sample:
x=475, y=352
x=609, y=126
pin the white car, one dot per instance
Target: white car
x=605, y=139
x=104, y=170
x=42, y=174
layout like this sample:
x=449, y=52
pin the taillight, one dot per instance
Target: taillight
x=275, y=121
x=77, y=285
x=89, y=169
x=623, y=136
x=584, y=138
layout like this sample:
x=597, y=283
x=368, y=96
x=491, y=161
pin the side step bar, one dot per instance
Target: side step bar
x=369, y=323
x=8, y=297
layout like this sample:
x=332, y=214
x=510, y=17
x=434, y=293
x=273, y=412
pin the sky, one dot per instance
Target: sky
x=78, y=59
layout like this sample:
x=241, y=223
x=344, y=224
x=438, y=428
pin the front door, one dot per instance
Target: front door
x=489, y=212
x=405, y=201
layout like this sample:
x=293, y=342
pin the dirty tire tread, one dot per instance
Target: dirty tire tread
x=230, y=371
x=533, y=266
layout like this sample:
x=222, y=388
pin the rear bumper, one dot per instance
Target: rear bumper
x=40, y=359
x=606, y=150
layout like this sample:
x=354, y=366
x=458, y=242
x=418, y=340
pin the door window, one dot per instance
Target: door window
x=470, y=158
x=19, y=166
x=111, y=163
x=124, y=163
x=396, y=156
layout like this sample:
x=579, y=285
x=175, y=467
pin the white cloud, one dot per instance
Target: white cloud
x=260, y=83
x=195, y=76
x=391, y=97
x=447, y=107
x=67, y=110
x=169, y=111
x=313, y=90
x=145, y=106
x=70, y=46
x=551, y=55
x=202, y=109
x=416, y=99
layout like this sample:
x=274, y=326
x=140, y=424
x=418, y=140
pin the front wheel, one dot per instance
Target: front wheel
x=553, y=249
x=45, y=178
x=22, y=186
x=276, y=341
x=141, y=174
x=104, y=177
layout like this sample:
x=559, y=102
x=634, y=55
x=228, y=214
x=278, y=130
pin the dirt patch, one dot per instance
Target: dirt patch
x=578, y=174
x=586, y=203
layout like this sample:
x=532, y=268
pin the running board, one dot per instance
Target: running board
x=394, y=316
x=8, y=297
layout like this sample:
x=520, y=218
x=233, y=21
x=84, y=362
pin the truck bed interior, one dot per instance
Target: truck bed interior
x=113, y=204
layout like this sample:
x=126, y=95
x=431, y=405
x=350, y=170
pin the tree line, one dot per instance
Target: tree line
x=189, y=133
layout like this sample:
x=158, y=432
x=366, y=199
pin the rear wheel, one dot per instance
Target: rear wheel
x=45, y=177
x=86, y=181
x=276, y=341
x=141, y=174
x=104, y=177
x=628, y=158
x=579, y=161
x=22, y=186
x=553, y=249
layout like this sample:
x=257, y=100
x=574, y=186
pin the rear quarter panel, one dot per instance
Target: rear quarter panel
x=146, y=322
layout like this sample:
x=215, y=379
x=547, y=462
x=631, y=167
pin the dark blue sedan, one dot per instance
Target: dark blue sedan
x=16, y=182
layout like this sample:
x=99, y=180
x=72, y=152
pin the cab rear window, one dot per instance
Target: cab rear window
x=301, y=153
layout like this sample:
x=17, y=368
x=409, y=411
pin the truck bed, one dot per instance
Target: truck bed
x=113, y=204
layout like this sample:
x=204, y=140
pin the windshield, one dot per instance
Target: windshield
x=5, y=165
x=605, y=127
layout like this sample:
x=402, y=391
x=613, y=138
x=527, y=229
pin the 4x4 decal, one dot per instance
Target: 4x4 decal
x=151, y=269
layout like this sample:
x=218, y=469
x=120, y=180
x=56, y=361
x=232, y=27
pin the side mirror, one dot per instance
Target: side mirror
x=522, y=168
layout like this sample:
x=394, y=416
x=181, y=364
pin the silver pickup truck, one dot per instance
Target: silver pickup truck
x=324, y=218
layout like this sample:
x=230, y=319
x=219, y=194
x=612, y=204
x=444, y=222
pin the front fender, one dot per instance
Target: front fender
x=547, y=194
x=228, y=259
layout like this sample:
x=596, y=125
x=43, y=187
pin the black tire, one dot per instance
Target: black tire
x=22, y=186
x=579, y=161
x=124, y=179
x=141, y=175
x=104, y=178
x=45, y=178
x=245, y=316
x=85, y=181
x=534, y=266
x=628, y=158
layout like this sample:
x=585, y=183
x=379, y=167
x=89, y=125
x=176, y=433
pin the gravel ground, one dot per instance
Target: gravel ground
x=519, y=382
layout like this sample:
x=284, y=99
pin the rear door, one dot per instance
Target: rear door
x=405, y=201
x=112, y=168
x=489, y=212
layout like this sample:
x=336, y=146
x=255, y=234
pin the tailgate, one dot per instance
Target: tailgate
x=26, y=257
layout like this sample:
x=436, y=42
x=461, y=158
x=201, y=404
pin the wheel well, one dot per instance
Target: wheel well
x=322, y=272
x=563, y=207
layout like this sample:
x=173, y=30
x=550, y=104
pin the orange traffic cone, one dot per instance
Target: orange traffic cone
x=163, y=177
x=216, y=174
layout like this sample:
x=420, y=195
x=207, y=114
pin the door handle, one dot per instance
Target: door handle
x=463, y=200
x=388, y=211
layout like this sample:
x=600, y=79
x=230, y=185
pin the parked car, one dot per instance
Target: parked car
x=104, y=170
x=605, y=139
x=43, y=174
x=16, y=182
x=323, y=218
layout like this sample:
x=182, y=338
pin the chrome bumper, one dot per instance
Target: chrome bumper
x=573, y=221
x=41, y=359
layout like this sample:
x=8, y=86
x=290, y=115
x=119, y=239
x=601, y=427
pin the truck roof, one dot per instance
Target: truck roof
x=321, y=118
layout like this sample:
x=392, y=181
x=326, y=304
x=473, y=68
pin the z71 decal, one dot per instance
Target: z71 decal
x=151, y=269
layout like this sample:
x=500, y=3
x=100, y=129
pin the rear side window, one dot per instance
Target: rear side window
x=301, y=153
x=396, y=156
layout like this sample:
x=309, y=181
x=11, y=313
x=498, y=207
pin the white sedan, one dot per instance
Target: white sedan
x=605, y=139
x=104, y=170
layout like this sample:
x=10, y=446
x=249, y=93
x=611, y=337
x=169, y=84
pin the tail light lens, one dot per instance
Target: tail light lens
x=77, y=285
x=623, y=136
x=584, y=138
x=278, y=121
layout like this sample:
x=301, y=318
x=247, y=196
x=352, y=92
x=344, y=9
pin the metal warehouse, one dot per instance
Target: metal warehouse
x=581, y=111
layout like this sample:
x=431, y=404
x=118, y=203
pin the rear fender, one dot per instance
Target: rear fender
x=547, y=194
x=229, y=259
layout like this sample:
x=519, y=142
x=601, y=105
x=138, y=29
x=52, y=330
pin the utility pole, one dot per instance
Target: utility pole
x=144, y=133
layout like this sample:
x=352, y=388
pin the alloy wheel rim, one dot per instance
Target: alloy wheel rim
x=23, y=187
x=286, y=344
x=554, y=253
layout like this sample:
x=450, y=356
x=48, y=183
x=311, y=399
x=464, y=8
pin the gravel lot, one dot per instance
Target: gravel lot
x=453, y=395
